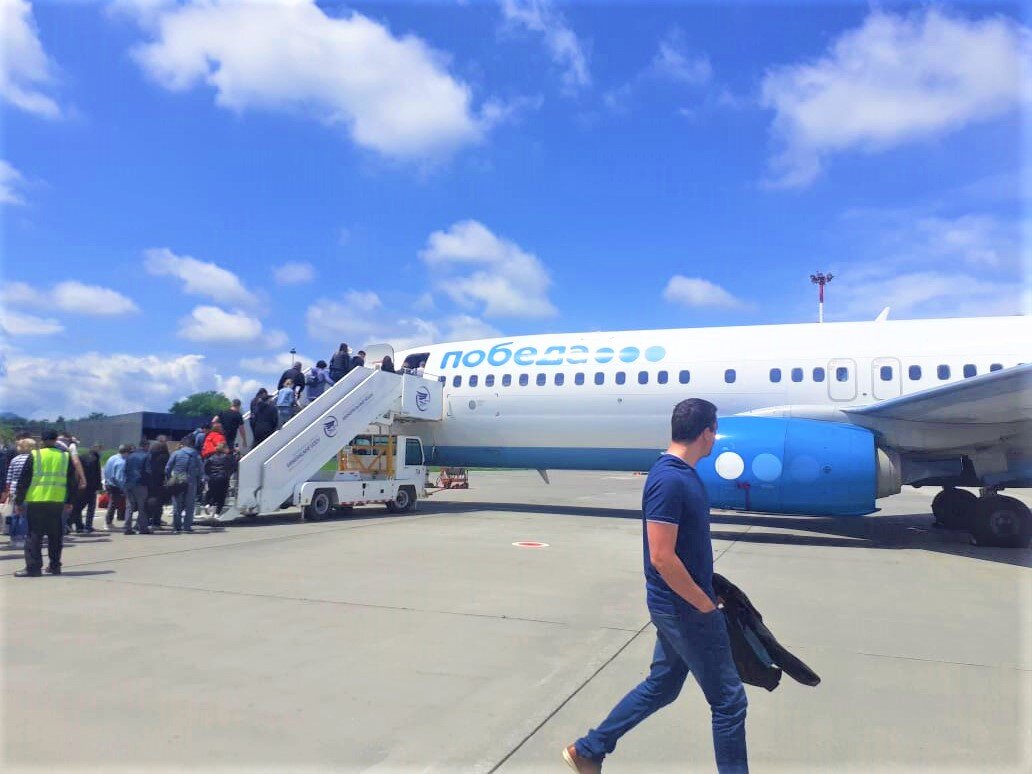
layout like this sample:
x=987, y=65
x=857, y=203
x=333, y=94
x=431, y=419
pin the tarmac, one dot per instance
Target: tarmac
x=428, y=642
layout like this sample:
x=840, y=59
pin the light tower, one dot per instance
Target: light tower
x=820, y=279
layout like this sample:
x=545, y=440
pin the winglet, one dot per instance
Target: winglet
x=883, y=315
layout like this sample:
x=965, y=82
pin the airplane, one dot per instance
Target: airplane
x=814, y=419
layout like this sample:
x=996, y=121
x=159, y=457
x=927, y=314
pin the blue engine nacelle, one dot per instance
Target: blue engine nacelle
x=792, y=466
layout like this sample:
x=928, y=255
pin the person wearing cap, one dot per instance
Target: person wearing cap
x=46, y=486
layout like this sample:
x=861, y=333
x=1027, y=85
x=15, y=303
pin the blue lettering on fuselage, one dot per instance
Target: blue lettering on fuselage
x=577, y=354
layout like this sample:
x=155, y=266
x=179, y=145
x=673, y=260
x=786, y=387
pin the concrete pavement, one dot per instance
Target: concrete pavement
x=428, y=642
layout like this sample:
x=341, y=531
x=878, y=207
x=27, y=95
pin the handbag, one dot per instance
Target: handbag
x=175, y=483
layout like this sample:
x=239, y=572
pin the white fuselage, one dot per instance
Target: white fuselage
x=732, y=367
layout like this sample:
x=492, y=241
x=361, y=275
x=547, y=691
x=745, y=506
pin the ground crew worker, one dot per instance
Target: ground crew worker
x=47, y=485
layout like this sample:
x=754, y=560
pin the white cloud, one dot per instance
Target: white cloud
x=274, y=365
x=673, y=60
x=893, y=80
x=393, y=94
x=200, y=278
x=473, y=266
x=76, y=297
x=931, y=293
x=18, y=324
x=74, y=385
x=361, y=319
x=563, y=45
x=69, y=296
x=924, y=263
x=26, y=71
x=238, y=387
x=462, y=327
x=212, y=325
x=21, y=294
x=11, y=181
x=696, y=292
x=294, y=273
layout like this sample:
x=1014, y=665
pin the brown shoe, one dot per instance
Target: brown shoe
x=579, y=763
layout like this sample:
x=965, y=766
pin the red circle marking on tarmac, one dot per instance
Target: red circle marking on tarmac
x=530, y=544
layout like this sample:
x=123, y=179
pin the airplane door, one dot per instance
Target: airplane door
x=842, y=379
x=886, y=378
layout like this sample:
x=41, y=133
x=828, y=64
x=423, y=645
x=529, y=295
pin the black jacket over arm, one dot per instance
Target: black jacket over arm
x=759, y=657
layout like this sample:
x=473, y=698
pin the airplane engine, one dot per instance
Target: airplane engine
x=800, y=466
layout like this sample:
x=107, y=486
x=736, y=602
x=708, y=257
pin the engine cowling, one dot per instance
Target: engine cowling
x=793, y=466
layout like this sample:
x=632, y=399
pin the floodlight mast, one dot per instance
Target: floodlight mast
x=820, y=279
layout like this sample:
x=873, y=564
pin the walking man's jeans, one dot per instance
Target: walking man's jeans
x=137, y=497
x=183, y=504
x=687, y=642
x=116, y=502
x=44, y=519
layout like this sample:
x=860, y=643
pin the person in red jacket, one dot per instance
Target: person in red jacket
x=212, y=440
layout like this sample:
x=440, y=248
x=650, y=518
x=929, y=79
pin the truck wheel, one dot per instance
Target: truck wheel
x=320, y=506
x=403, y=502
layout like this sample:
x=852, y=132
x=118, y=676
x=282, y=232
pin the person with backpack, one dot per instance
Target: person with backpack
x=317, y=380
x=340, y=363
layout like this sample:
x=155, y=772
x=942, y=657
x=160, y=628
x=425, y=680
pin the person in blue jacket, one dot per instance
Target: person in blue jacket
x=184, y=475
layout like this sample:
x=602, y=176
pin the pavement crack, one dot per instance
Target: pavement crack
x=339, y=602
x=569, y=698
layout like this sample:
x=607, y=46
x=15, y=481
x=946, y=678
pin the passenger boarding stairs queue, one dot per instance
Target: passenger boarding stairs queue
x=269, y=473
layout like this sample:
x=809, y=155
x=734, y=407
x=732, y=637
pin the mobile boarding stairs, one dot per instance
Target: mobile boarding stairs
x=269, y=473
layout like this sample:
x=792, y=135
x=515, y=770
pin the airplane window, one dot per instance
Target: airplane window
x=730, y=376
x=684, y=377
x=541, y=380
x=797, y=374
x=473, y=380
x=970, y=370
x=578, y=379
x=559, y=379
x=489, y=380
x=457, y=381
x=886, y=373
x=775, y=375
x=643, y=377
x=996, y=367
x=818, y=374
x=506, y=380
x=914, y=373
x=842, y=374
x=442, y=379
x=621, y=377
x=600, y=377
x=524, y=380
x=661, y=377
x=943, y=372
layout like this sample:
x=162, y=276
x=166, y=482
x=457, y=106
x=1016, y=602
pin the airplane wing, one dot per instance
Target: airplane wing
x=1000, y=397
x=987, y=419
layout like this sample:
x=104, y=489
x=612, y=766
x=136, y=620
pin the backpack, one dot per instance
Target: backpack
x=312, y=379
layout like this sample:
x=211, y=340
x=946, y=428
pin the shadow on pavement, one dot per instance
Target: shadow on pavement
x=78, y=573
x=906, y=531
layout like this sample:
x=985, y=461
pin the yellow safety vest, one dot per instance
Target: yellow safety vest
x=49, y=476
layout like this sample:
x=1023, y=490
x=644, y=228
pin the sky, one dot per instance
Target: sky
x=191, y=189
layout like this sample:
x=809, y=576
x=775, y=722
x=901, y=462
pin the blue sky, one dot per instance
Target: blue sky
x=190, y=189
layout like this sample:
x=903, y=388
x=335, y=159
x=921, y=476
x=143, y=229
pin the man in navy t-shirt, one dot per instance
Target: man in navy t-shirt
x=691, y=636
